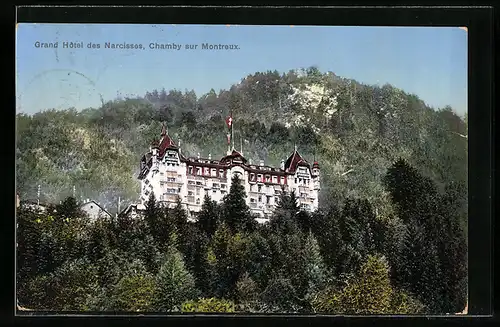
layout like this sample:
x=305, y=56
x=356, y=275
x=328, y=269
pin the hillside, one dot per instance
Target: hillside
x=355, y=131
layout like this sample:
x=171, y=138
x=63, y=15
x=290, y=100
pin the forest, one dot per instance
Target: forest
x=390, y=235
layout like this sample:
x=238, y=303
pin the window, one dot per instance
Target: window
x=283, y=179
x=252, y=200
x=197, y=191
x=260, y=198
x=275, y=179
x=222, y=186
x=214, y=191
x=146, y=181
x=214, y=172
x=295, y=180
x=221, y=172
x=198, y=171
x=251, y=188
x=190, y=193
x=198, y=201
x=215, y=185
x=268, y=200
x=252, y=176
x=276, y=199
x=161, y=174
x=171, y=190
x=268, y=178
x=260, y=188
x=170, y=179
x=259, y=176
x=190, y=170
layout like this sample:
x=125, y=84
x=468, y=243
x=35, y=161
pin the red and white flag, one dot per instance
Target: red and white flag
x=228, y=138
x=229, y=122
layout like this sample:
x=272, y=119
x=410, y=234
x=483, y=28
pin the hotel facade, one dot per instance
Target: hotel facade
x=169, y=175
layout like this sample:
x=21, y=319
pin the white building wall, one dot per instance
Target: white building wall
x=172, y=175
x=94, y=211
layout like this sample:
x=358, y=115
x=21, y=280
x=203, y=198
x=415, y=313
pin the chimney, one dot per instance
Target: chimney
x=261, y=162
x=209, y=156
x=250, y=161
x=282, y=164
x=17, y=200
x=198, y=155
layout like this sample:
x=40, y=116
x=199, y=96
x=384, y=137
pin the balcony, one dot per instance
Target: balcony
x=195, y=178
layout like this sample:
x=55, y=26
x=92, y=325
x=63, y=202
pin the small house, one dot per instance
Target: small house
x=94, y=210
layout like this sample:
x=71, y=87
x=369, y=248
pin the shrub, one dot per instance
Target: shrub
x=208, y=305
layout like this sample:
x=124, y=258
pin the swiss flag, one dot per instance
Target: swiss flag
x=229, y=121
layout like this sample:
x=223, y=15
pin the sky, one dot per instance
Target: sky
x=430, y=62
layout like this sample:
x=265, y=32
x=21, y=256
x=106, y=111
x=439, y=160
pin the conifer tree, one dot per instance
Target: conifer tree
x=208, y=216
x=236, y=212
x=452, y=251
x=152, y=215
x=174, y=283
x=284, y=218
x=68, y=209
x=420, y=270
x=179, y=216
x=314, y=267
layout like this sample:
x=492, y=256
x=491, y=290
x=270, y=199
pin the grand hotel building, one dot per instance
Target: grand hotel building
x=169, y=174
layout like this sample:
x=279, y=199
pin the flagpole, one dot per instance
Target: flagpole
x=232, y=128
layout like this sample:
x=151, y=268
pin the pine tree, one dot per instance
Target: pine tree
x=371, y=292
x=68, y=209
x=279, y=296
x=208, y=216
x=284, y=218
x=236, y=213
x=314, y=268
x=152, y=215
x=329, y=236
x=452, y=250
x=179, y=216
x=420, y=270
x=174, y=284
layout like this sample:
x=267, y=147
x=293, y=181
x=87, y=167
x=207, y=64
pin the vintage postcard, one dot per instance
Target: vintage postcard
x=241, y=169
